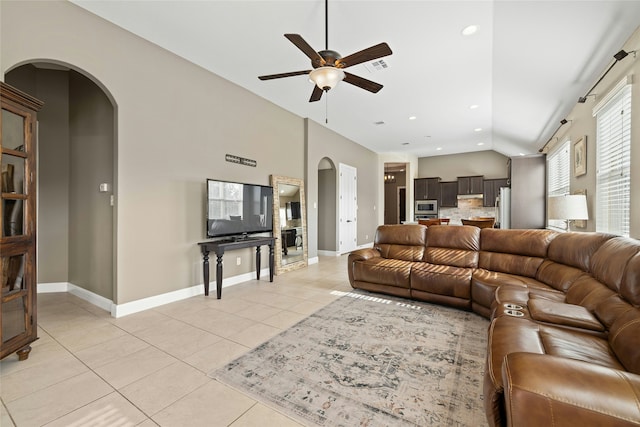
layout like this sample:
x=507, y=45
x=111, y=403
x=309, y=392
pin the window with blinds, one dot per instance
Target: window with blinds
x=558, y=170
x=613, y=161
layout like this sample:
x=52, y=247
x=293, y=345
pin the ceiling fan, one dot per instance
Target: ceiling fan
x=328, y=65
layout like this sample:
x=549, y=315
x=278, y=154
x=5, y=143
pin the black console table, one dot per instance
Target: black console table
x=220, y=246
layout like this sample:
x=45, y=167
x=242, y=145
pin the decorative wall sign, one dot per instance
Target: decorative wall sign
x=240, y=160
x=580, y=157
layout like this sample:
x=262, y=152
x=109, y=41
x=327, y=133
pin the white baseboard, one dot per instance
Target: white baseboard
x=45, y=288
x=93, y=298
x=313, y=260
x=328, y=253
x=120, y=310
x=338, y=253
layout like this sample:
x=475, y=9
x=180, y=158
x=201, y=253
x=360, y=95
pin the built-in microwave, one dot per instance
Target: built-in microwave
x=426, y=207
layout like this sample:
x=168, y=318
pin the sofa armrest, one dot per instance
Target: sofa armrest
x=360, y=255
x=563, y=314
x=541, y=389
x=363, y=254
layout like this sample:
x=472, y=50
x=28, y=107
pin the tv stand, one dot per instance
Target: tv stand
x=238, y=242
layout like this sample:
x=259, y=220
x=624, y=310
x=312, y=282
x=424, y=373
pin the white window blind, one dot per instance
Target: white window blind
x=613, y=163
x=558, y=170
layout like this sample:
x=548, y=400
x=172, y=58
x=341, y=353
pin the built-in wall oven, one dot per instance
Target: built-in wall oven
x=425, y=209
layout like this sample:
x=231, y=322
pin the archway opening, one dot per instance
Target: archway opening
x=327, y=207
x=76, y=178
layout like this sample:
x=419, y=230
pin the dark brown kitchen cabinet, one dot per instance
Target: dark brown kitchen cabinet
x=470, y=185
x=492, y=190
x=449, y=194
x=18, y=325
x=426, y=189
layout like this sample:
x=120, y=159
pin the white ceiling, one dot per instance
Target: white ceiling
x=525, y=67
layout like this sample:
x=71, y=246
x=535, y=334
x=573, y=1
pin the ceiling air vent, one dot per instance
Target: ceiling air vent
x=378, y=123
x=377, y=65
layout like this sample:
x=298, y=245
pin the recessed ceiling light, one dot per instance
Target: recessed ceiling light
x=473, y=107
x=480, y=143
x=439, y=148
x=412, y=117
x=471, y=29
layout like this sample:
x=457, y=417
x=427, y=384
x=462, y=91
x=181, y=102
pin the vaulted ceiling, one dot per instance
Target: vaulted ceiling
x=523, y=69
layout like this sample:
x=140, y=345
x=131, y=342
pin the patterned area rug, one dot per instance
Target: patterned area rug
x=371, y=360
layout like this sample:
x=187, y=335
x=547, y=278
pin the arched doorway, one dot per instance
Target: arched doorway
x=327, y=208
x=76, y=179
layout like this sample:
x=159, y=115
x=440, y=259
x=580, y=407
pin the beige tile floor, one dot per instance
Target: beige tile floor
x=150, y=368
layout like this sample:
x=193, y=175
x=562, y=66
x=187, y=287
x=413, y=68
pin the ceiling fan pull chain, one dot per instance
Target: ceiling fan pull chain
x=326, y=109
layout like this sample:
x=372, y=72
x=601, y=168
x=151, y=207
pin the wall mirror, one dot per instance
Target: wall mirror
x=289, y=223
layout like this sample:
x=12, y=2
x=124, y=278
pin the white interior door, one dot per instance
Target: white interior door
x=348, y=208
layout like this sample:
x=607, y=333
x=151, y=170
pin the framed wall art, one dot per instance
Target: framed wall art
x=580, y=157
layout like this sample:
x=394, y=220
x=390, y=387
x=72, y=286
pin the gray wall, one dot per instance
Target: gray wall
x=449, y=167
x=176, y=122
x=583, y=124
x=327, y=186
x=322, y=142
x=91, y=141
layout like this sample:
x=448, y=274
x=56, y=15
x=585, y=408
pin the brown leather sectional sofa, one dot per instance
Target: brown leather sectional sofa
x=564, y=341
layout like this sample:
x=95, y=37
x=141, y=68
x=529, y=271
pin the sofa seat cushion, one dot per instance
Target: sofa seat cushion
x=383, y=271
x=484, y=284
x=442, y=280
x=578, y=346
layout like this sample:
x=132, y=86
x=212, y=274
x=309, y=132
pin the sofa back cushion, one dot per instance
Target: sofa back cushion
x=588, y=292
x=558, y=276
x=630, y=287
x=624, y=339
x=514, y=251
x=609, y=262
x=453, y=246
x=576, y=249
x=403, y=242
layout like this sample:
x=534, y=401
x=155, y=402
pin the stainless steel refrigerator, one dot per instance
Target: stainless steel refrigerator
x=503, y=208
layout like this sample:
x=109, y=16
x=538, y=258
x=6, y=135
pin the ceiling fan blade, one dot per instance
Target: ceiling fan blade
x=301, y=44
x=362, y=82
x=316, y=94
x=369, y=54
x=279, y=76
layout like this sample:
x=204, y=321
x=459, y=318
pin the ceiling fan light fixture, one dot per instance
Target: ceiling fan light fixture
x=326, y=78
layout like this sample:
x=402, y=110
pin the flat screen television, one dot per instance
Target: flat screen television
x=237, y=209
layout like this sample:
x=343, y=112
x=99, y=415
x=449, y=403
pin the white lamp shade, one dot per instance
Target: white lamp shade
x=571, y=207
x=326, y=77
